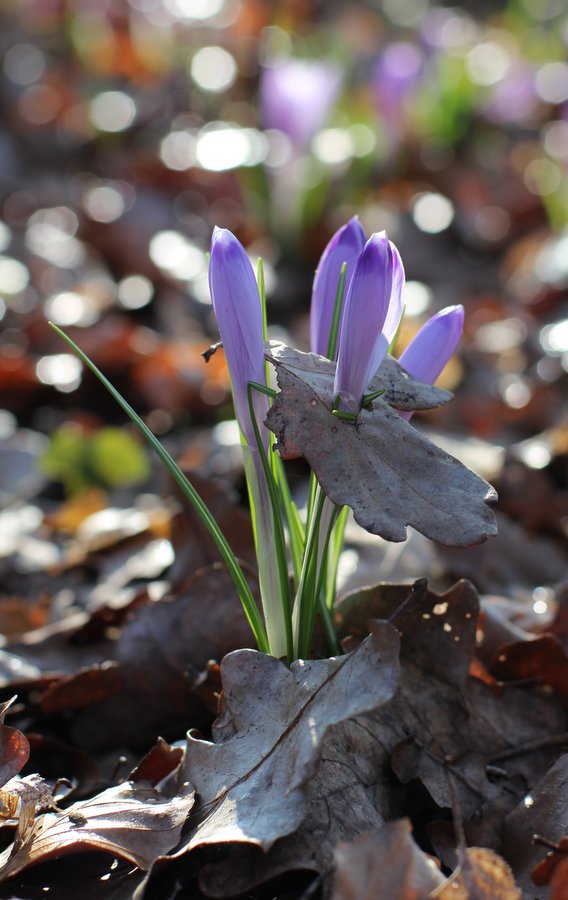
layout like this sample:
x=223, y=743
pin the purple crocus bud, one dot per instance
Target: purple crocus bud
x=371, y=315
x=344, y=247
x=236, y=303
x=296, y=96
x=433, y=346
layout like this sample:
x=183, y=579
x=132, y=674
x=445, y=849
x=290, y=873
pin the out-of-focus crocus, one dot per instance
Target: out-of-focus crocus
x=236, y=303
x=397, y=73
x=433, y=346
x=371, y=315
x=513, y=98
x=344, y=247
x=296, y=96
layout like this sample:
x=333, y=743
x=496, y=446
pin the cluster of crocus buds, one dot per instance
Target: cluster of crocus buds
x=357, y=305
x=374, y=284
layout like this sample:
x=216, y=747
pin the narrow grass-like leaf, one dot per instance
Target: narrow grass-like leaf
x=190, y=493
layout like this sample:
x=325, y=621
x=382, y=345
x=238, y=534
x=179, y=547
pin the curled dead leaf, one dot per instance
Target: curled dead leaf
x=14, y=747
x=137, y=823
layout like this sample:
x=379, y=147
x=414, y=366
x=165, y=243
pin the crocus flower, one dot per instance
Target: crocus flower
x=236, y=303
x=433, y=346
x=296, y=96
x=371, y=314
x=344, y=247
x=397, y=74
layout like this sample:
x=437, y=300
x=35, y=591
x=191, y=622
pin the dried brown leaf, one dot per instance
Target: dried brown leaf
x=543, y=659
x=546, y=870
x=252, y=784
x=20, y=798
x=544, y=811
x=401, y=390
x=161, y=650
x=437, y=631
x=453, y=733
x=483, y=875
x=437, y=732
x=387, y=472
x=129, y=821
x=384, y=865
x=14, y=747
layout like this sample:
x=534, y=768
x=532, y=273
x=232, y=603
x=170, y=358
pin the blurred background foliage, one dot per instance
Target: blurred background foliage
x=129, y=128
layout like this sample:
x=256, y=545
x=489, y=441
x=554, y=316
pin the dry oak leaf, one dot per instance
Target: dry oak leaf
x=553, y=869
x=384, y=865
x=126, y=820
x=482, y=875
x=387, y=472
x=252, y=783
x=14, y=747
x=543, y=811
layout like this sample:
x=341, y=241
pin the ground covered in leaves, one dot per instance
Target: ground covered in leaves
x=145, y=752
x=376, y=774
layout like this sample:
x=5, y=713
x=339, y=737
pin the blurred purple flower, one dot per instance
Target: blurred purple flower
x=433, y=346
x=397, y=72
x=344, y=247
x=372, y=311
x=236, y=303
x=296, y=97
x=513, y=98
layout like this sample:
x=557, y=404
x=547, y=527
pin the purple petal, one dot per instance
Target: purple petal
x=396, y=74
x=434, y=345
x=371, y=315
x=296, y=97
x=344, y=247
x=236, y=303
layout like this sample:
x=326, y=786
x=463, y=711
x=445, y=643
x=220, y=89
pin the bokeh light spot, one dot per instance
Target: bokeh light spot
x=221, y=147
x=177, y=150
x=432, y=213
x=71, y=308
x=198, y=10
x=112, y=111
x=333, y=146
x=135, y=291
x=175, y=254
x=515, y=391
x=24, y=64
x=5, y=236
x=417, y=298
x=14, y=276
x=487, y=63
x=551, y=82
x=103, y=203
x=213, y=69
x=542, y=177
x=555, y=139
x=62, y=371
x=50, y=234
x=405, y=12
x=554, y=338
